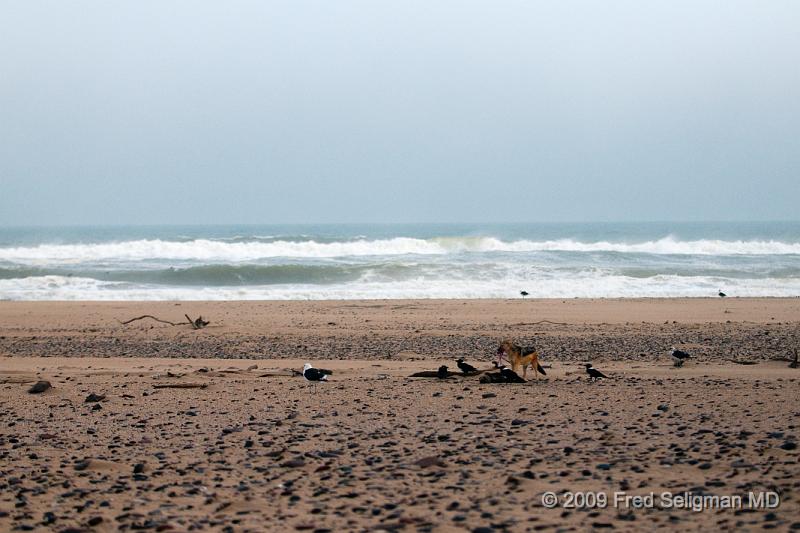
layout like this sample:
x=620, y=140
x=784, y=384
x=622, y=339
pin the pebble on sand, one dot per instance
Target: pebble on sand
x=39, y=387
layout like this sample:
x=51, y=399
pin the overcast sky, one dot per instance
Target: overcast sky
x=348, y=111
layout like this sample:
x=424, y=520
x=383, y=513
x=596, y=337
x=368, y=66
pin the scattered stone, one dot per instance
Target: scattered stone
x=433, y=460
x=39, y=387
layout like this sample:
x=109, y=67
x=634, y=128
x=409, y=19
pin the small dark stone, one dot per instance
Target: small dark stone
x=425, y=462
x=789, y=445
x=39, y=387
x=95, y=520
x=489, y=395
x=94, y=398
x=138, y=468
x=604, y=466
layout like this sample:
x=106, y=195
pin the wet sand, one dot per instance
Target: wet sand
x=256, y=448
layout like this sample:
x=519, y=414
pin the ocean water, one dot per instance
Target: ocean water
x=308, y=262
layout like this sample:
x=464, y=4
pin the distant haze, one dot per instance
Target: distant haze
x=343, y=111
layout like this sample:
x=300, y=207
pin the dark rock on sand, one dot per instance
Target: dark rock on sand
x=39, y=387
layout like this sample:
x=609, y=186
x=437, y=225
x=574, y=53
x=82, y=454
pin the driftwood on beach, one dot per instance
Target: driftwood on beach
x=435, y=374
x=198, y=323
x=180, y=385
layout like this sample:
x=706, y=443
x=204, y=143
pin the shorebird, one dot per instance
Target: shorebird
x=314, y=375
x=721, y=294
x=594, y=374
x=679, y=356
x=466, y=368
x=524, y=293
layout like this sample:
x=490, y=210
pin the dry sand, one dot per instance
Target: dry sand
x=257, y=449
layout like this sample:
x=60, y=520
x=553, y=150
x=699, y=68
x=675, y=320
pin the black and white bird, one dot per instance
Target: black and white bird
x=679, y=356
x=315, y=375
x=523, y=293
x=594, y=374
x=721, y=294
x=466, y=368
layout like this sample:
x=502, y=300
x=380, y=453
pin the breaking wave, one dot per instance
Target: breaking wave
x=581, y=285
x=206, y=250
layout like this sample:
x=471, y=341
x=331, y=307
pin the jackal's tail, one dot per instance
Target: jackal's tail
x=540, y=369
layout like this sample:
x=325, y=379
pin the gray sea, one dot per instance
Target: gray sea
x=308, y=262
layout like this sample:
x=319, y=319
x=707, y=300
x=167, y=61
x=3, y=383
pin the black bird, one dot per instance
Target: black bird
x=721, y=294
x=524, y=293
x=679, y=357
x=314, y=375
x=466, y=368
x=594, y=374
x=442, y=373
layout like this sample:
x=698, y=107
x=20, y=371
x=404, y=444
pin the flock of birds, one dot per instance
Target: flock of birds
x=503, y=374
x=526, y=293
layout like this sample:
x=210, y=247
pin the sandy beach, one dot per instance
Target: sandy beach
x=208, y=429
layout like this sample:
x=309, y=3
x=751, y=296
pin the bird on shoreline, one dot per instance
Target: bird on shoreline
x=679, y=357
x=721, y=294
x=594, y=374
x=466, y=368
x=523, y=293
x=315, y=375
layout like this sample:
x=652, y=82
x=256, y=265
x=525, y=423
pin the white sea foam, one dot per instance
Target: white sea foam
x=589, y=284
x=204, y=250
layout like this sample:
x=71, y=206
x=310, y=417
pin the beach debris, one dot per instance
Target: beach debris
x=180, y=385
x=198, y=323
x=506, y=375
x=152, y=318
x=39, y=387
x=429, y=374
x=594, y=374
